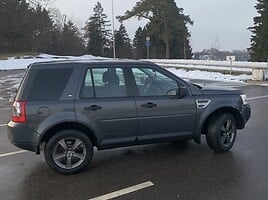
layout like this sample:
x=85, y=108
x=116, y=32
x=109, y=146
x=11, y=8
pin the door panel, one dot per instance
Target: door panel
x=115, y=122
x=105, y=105
x=169, y=118
x=161, y=113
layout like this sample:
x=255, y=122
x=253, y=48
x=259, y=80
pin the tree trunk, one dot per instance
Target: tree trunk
x=166, y=40
x=167, y=50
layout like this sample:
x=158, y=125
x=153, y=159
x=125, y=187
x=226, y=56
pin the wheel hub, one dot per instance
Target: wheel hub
x=69, y=154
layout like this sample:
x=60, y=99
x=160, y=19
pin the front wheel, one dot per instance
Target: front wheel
x=68, y=152
x=221, y=133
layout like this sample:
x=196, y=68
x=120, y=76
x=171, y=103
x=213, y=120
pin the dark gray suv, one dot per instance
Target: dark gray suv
x=66, y=108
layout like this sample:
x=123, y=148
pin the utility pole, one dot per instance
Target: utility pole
x=113, y=29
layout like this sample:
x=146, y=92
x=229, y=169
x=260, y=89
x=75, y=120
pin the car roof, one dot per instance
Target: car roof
x=82, y=62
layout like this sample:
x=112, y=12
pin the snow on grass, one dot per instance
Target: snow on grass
x=23, y=62
x=204, y=75
x=236, y=64
x=12, y=81
x=205, y=67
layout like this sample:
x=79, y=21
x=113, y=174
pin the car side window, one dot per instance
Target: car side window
x=104, y=82
x=151, y=82
x=49, y=84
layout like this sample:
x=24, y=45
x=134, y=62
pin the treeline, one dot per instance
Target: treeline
x=28, y=27
x=259, y=38
x=24, y=27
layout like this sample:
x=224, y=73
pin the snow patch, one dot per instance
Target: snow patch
x=23, y=62
x=204, y=75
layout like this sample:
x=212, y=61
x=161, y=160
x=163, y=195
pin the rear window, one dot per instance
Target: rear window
x=48, y=84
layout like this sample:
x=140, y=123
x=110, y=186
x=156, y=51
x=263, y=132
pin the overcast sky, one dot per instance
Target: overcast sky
x=217, y=23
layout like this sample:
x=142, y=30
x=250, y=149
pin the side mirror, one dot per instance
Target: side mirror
x=183, y=91
x=180, y=93
x=143, y=80
x=172, y=92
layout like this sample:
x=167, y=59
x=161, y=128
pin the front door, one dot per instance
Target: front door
x=106, y=104
x=162, y=114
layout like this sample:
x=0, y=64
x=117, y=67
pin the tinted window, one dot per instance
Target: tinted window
x=108, y=82
x=49, y=84
x=153, y=83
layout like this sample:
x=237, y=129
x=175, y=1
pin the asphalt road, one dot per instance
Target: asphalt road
x=176, y=170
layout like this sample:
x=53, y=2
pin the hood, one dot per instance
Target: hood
x=219, y=91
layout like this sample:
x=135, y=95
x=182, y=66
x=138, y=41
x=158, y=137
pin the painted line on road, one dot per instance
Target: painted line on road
x=259, y=97
x=2, y=125
x=124, y=191
x=12, y=153
x=4, y=109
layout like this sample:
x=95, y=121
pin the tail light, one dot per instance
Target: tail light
x=19, y=111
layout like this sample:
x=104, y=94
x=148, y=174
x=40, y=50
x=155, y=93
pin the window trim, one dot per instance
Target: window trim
x=84, y=73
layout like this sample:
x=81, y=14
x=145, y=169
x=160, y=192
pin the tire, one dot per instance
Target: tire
x=221, y=133
x=68, y=152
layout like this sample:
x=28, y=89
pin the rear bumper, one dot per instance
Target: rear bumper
x=22, y=136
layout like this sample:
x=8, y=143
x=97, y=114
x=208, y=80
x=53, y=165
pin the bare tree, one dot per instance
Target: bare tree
x=44, y=3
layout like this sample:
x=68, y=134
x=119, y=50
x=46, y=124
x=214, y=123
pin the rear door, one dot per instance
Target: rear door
x=162, y=114
x=106, y=104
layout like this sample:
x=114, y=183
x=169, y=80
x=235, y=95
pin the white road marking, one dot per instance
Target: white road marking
x=4, y=109
x=259, y=97
x=12, y=153
x=124, y=191
x=2, y=125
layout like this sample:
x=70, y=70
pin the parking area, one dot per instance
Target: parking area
x=160, y=171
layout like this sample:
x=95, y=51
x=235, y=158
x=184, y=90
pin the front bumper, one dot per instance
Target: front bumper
x=22, y=136
x=245, y=114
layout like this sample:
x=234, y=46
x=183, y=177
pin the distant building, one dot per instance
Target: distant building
x=215, y=54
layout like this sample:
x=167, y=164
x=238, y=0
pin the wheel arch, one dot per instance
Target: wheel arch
x=64, y=126
x=231, y=110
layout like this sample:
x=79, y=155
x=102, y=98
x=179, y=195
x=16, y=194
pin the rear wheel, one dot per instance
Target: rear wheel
x=69, y=152
x=221, y=133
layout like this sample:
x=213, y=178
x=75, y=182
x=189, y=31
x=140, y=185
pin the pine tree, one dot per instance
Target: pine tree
x=181, y=47
x=97, y=33
x=72, y=42
x=43, y=28
x=26, y=28
x=16, y=30
x=139, y=50
x=259, y=38
x=122, y=43
x=54, y=42
x=167, y=23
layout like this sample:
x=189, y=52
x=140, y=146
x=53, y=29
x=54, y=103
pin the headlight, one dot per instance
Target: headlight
x=244, y=99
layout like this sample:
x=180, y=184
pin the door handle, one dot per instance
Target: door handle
x=93, y=108
x=149, y=105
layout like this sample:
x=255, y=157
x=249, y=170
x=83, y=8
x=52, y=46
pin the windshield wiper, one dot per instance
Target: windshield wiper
x=196, y=85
